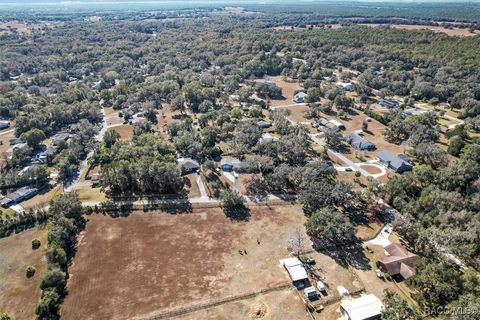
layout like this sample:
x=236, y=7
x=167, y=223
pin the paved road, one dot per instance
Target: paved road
x=201, y=187
x=84, y=163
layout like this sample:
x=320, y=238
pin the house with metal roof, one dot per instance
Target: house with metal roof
x=296, y=271
x=20, y=195
x=4, y=124
x=347, y=86
x=367, y=307
x=359, y=142
x=389, y=103
x=396, y=163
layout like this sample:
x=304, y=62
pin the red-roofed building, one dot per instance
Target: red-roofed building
x=399, y=261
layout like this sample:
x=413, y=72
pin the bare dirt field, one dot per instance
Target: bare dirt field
x=18, y=294
x=288, y=89
x=150, y=262
x=459, y=32
x=125, y=131
x=284, y=304
x=5, y=136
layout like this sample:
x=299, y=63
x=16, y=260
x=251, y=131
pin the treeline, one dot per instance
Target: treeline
x=18, y=223
x=65, y=223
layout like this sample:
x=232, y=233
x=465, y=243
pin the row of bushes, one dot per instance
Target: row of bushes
x=65, y=223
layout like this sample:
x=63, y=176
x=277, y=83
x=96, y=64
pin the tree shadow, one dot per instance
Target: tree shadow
x=239, y=213
x=348, y=255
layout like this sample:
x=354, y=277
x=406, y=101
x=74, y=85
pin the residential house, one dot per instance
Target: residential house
x=232, y=164
x=399, y=261
x=389, y=103
x=267, y=137
x=367, y=307
x=188, y=165
x=346, y=86
x=21, y=194
x=300, y=97
x=263, y=124
x=398, y=164
x=47, y=155
x=60, y=137
x=359, y=142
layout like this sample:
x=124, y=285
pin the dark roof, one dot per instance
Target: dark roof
x=19, y=195
x=389, y=103
x=359, y=142
x=393, y=161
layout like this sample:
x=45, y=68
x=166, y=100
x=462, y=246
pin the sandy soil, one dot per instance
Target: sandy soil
x=284, y=304
x=458, y=32
x=125, y=131
x=18, y=294
x=149, y=262
x=288, y=89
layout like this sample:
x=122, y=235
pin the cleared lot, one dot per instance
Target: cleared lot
x=151, y=262
x=18, y=294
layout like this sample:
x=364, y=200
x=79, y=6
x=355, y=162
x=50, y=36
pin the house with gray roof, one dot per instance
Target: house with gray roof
x=21, y=194
x=300, y=97
x=359, y=142
x=396, y=163
x=232, y=164
x=188, y=165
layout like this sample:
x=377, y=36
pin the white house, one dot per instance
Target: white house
x=347, y=86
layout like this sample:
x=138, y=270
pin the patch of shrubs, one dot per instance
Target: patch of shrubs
x=36, y=244
x=30, y=271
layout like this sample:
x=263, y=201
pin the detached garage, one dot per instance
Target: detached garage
x=367, y=307
x=296, y=271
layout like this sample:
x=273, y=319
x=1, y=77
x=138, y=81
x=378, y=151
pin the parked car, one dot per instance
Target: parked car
x=379, y=273
x=310, y=261
x=348, y=169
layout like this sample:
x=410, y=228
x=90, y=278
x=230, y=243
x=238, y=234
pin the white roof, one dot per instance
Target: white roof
x=295, y=269
x=337, y=123
x=362, y=308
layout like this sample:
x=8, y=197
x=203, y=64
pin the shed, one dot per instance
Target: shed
x=396, y=163
x=367, y=307
x=296, y=271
